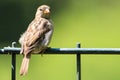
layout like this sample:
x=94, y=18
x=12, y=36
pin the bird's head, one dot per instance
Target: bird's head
x=43, y=11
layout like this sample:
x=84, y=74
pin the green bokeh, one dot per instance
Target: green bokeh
x=93, y=23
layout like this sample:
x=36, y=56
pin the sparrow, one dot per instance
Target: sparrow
x=37, y=36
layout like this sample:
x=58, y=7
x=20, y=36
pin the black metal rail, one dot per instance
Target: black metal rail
x=16, y=50
x=77, y=51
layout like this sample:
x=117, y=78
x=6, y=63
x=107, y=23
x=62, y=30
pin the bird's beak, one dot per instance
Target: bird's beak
x=46, y=11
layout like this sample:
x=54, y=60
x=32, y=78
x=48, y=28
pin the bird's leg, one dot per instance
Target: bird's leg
x=43, y=51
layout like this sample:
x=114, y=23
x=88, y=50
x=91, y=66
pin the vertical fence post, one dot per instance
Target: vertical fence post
x=13, y=76
x=78, y=64
x=13, y=67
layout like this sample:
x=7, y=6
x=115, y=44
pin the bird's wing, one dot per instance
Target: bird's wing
x=37, y=34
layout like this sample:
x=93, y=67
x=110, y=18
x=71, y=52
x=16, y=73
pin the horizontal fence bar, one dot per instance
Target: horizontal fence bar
x=16, y=50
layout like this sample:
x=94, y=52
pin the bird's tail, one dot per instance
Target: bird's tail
x=24, y=66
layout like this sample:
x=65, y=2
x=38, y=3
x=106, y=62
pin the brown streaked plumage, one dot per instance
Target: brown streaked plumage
x=37, y=36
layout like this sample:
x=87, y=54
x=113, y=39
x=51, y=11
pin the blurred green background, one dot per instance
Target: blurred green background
x=93, y=23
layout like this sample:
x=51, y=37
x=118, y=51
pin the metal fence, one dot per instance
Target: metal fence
x=77, y=51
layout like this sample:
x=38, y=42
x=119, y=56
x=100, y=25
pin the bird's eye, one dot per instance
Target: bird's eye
x=40, y=9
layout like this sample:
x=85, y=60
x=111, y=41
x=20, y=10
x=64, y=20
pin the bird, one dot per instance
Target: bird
x=37, y=36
